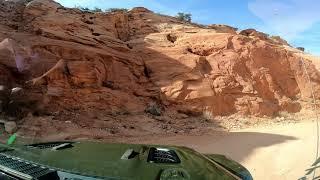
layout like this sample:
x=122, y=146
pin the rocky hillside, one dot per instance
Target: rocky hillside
x=67, y=62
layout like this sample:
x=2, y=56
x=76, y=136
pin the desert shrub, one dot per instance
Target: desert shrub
x=96, y=10
x=116, y=9
x=207, y=115
x=301, y=48
x=184, y=17
x=86, y=9
x=82, y=8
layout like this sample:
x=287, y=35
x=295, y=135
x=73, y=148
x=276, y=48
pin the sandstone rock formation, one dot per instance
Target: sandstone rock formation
x=221, y=28
x=119, y=62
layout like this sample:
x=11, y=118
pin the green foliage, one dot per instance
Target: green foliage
x=82, y=8
x=97, y=10
x=86, y=9
x=184, y=17
x=116, y=9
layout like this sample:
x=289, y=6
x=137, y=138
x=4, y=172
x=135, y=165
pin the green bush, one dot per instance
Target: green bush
x=184, y=17
x=82, y=8
x=97, y=10
x=86, y=9
x=116, y=9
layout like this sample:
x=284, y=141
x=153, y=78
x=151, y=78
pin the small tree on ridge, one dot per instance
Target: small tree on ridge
x=184, y=17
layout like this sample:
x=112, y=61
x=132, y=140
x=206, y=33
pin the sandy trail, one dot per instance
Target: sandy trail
x=270, y=152
x=275, y=152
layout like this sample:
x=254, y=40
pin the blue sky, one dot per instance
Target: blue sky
x=297, y=21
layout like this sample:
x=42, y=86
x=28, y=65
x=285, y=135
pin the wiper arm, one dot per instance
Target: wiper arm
x=15, y=173
x=310, y=170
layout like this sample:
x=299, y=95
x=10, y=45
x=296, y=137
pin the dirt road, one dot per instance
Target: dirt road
x=281, y=151
x=274, y=151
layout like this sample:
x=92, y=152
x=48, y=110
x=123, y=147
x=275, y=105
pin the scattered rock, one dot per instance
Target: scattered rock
x=113, y=131
x=279, y=40
x=154, y=109
x=221, y=28
x=172, y=38
x=10, y=127
x=16, y=90
x=160, y=118
x=140, y=10
x=109, y=84
x=181, y=116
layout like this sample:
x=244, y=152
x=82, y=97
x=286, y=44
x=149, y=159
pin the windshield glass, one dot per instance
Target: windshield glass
x=237, y=78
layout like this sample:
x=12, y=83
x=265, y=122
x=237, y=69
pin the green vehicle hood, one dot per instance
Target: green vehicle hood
x=231, y=165
x=104, y=161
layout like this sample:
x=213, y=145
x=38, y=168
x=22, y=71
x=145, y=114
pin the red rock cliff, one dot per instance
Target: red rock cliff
x=122, y=61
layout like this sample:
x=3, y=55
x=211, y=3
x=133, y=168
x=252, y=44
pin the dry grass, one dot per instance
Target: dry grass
x=207, y=115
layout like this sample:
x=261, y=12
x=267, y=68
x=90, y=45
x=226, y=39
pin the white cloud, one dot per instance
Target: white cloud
x=288, y=18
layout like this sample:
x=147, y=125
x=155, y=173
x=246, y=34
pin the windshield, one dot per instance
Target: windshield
x=237, y=78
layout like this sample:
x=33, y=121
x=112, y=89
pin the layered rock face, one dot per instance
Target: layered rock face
x=119, y=62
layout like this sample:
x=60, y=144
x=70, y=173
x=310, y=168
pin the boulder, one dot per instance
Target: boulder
x=10, y=127
x=40, y=7
x=221, y=28
x=140, y=10
x=254, y=33
x=279, y=40
x=154, y=109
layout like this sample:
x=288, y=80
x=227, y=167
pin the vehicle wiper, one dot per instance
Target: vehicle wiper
x=23, y=169
x=15, y=173
x=312, y=169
